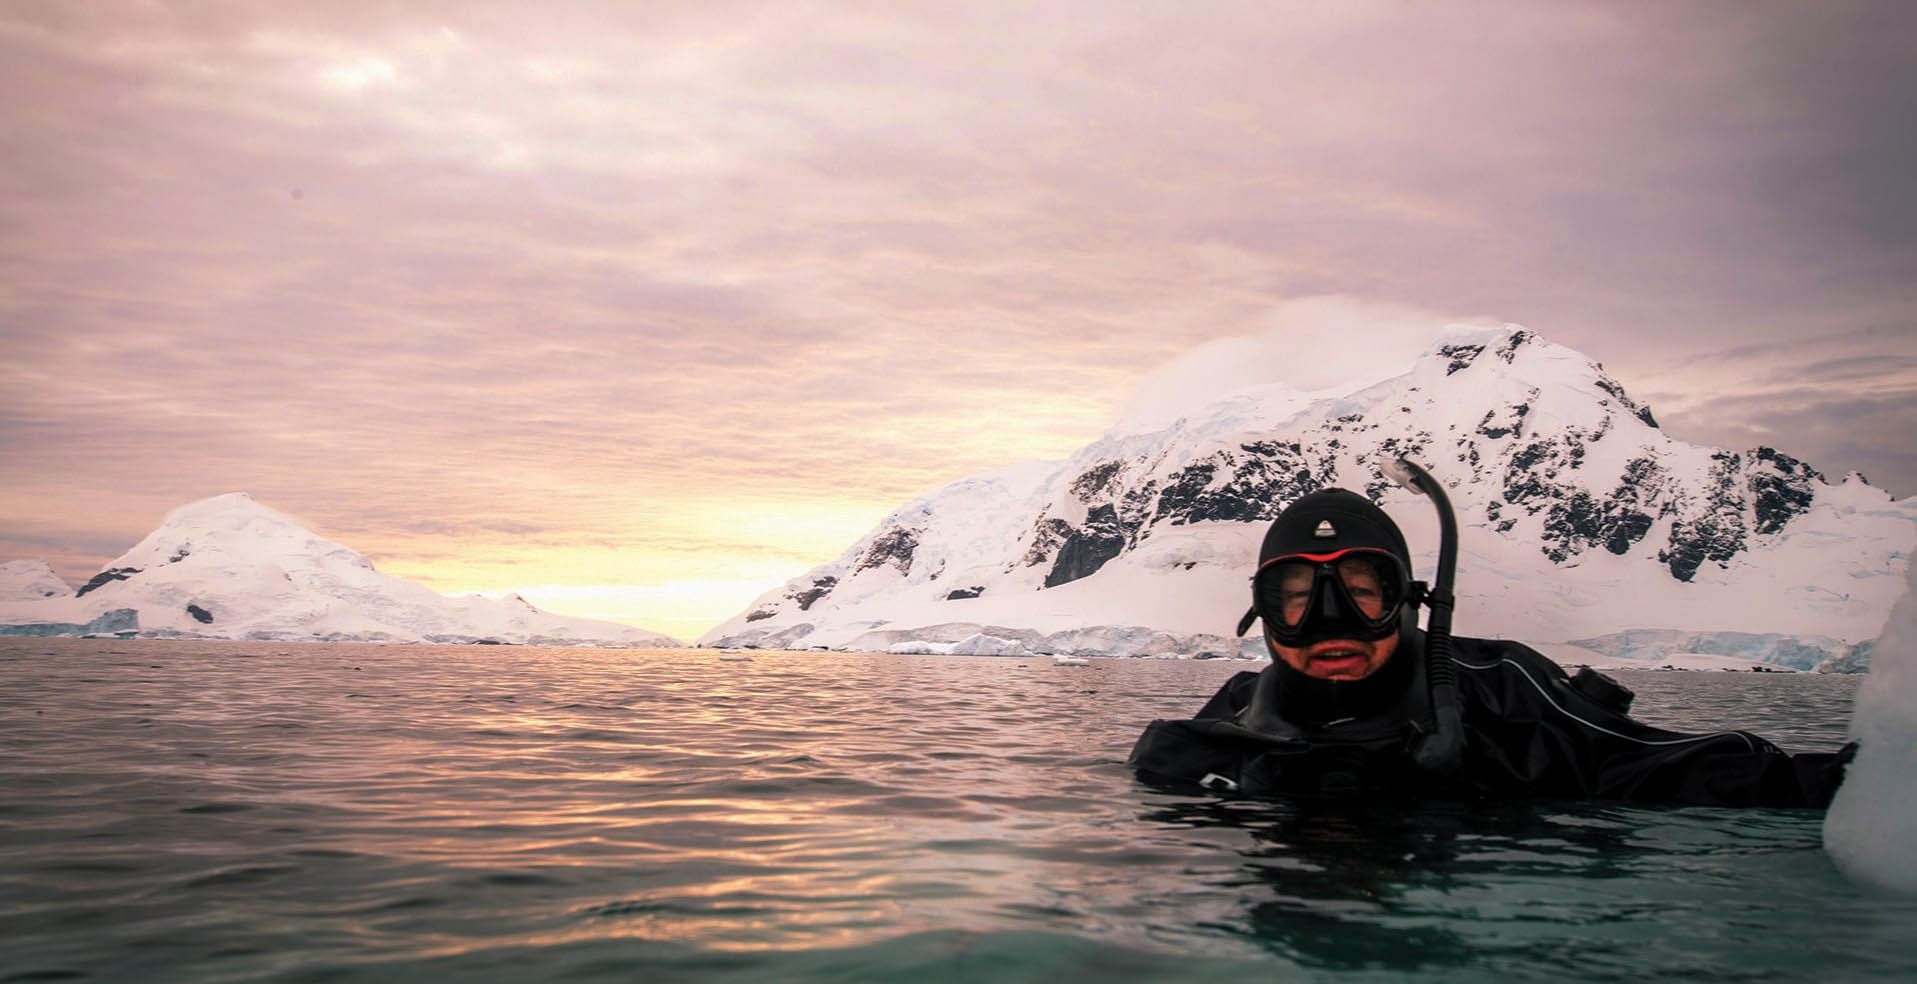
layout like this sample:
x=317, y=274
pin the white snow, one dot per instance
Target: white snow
x=1828, y=576
x=31, y=580
x=229, y=567
x=1872, y=824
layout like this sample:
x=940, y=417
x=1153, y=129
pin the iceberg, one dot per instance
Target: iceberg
x=1873, y=821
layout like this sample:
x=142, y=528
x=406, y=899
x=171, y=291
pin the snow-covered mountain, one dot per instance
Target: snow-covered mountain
x=231, y=568
x=1581, y=522
x=30, y=580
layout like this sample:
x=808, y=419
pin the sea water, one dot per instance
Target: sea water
x=196, y=811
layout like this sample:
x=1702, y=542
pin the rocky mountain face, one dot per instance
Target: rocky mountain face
x=231, y=568
x=1581, y=518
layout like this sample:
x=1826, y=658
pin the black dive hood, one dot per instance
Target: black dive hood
x=1441, y=751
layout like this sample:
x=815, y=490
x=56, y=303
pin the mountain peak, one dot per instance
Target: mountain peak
x=231, y=567
x=219, y=508
x=1579, y=516
x=231, y=528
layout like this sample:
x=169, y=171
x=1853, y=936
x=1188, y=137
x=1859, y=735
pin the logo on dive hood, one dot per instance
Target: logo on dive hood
x=1325, y=530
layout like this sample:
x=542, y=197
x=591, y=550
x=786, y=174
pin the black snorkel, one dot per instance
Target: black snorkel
x=1442, y=751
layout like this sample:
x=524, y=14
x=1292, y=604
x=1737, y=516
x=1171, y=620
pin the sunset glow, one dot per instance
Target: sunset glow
x=638, y=310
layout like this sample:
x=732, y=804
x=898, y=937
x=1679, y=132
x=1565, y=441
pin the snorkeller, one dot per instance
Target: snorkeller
x=1358, y=700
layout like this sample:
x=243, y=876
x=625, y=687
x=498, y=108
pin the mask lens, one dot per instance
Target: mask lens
x=1370, y=583
x=1284, y=591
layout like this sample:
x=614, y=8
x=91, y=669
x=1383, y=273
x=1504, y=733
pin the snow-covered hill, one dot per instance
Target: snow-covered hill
x=231, y=568
x=30, y=580
x=1581, y=521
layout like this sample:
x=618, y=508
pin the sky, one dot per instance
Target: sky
x=641, y=309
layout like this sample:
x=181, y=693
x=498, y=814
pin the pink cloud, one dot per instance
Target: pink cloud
x=546, y=265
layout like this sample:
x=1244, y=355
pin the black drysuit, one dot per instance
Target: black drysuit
x=1530, y=730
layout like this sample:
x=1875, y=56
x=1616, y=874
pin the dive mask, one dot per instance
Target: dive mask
x=1355, y=593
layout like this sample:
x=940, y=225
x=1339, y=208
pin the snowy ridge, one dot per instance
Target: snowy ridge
x=1579, y=519
x=231, y=568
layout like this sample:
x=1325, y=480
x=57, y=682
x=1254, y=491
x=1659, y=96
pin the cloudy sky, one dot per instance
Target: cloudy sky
x=644, y=307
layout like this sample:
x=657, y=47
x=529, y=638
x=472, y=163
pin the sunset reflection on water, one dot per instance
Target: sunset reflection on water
x=210, y=811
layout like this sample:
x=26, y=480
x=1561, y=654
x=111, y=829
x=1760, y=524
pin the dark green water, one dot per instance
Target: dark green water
x=183, y=811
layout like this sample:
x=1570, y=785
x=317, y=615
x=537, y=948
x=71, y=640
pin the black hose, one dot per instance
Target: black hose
x=1442, y=751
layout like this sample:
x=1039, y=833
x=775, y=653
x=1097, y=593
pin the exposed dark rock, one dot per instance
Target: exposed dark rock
x=1639, y=410
x=1509, y=350
x=1629, y=514
x=894, y=546
x=1570, y=523
x=1095, y=480
x=761, y=615
x=971, y=592
x=1176, y=500
x=1574, y=448
x=1713, y=530
x=1617, y=521
x=180, y=553
x=1527, y=479
x=1088, y=547
x=1780, y=488
x=1272, y=449
x=819, y=589
x=1580, y=520
x=1508, y=420
x=106, y=577
x=1135, y=506
x=1046, y=538
x=199, y=614
x=1257, y=485
x=1627, y=528
x=1460, y=356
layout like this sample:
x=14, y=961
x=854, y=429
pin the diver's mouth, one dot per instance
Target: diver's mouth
x=1339, y=657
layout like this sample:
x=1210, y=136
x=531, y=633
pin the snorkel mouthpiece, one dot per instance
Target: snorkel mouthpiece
x=1400, y=471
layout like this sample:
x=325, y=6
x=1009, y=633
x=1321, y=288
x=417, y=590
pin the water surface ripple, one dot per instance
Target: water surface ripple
x=202, y=811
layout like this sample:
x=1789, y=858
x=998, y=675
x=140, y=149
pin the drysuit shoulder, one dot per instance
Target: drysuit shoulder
x=1183, y=755
x=1231, y=697
x=1185, y=752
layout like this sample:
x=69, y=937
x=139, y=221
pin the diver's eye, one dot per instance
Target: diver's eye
x=1369, y=600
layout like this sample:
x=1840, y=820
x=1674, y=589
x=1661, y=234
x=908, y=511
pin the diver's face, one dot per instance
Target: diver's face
x=1337, y=659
